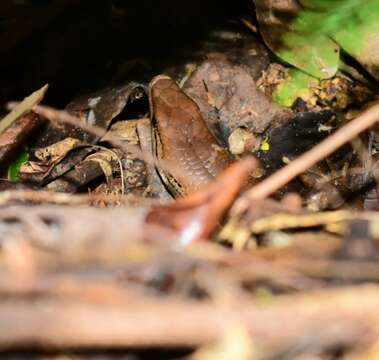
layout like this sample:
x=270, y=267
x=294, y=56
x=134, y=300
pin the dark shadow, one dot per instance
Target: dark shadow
x=83, y=45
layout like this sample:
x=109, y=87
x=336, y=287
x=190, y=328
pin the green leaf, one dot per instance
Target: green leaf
x=15, y=166
x=279, y=23
x=343, y=20
x=308, y=33
x=319, y=58
x=294, y=86
x=349, y=22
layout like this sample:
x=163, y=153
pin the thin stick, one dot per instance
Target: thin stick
x=40, y=196
x=63, y=116
x=103, y=148
x=316, y=154
x=321, y=320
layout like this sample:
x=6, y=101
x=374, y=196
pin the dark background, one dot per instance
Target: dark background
x=83, y=45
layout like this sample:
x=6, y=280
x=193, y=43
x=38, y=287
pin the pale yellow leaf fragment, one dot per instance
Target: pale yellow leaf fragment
x=24, y=106
x=236, y=344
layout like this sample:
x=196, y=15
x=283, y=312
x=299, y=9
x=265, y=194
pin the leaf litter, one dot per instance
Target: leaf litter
x=226, y=209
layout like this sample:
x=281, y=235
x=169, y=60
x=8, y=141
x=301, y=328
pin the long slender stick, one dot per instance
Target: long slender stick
x=319, y=152
x=65, y=117
x=323, y=319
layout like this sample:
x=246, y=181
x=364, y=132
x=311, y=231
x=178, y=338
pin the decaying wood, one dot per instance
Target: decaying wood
x=14, y=137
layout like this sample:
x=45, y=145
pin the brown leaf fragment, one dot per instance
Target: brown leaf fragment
x=43, y=173
x=32, y=167
x=14, y=137
x=54, y=153
x=196, y=216
x=124, y=130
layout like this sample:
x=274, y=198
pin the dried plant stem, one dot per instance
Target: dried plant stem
x=103, y=148
x=323, y=319
x=62, y=116
x=47, y=197
x=316, y=154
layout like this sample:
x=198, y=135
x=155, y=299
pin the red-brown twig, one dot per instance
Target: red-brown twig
x=14, y=136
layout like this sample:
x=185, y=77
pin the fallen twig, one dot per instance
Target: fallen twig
x=319, y=152
x=63, y=116
x=320, y=320
x=14, y=136
x=48, y=197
